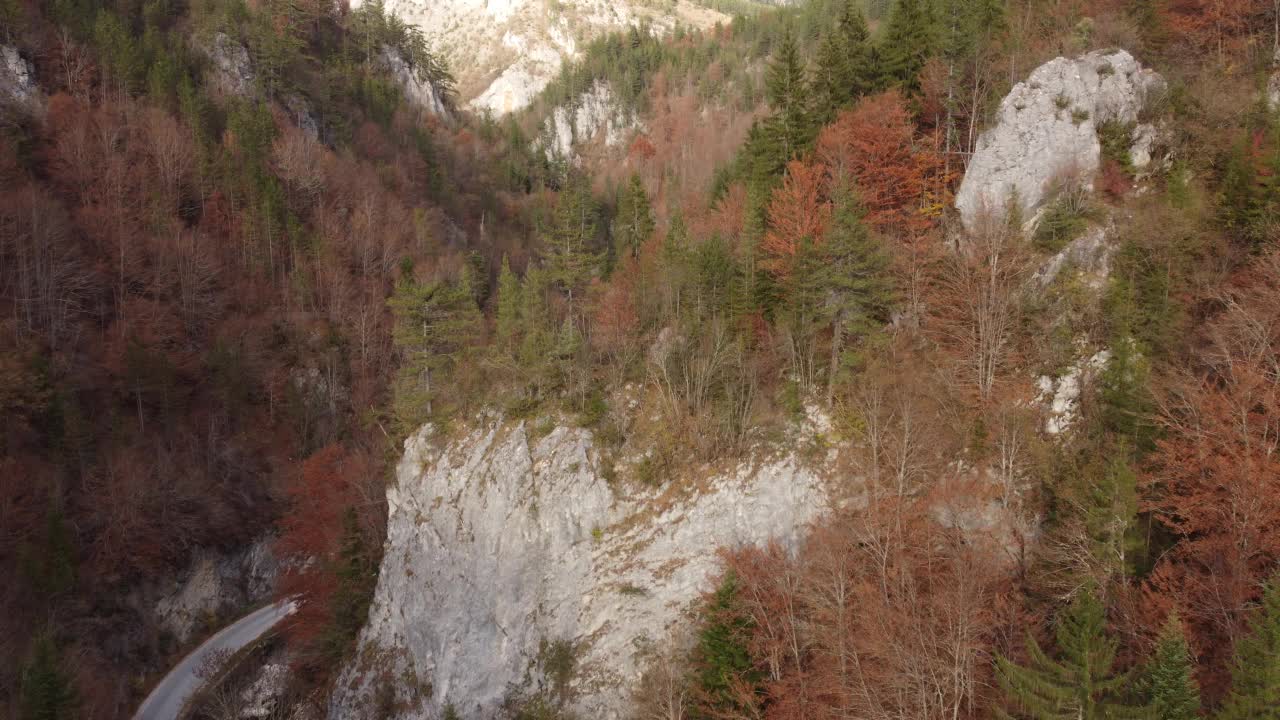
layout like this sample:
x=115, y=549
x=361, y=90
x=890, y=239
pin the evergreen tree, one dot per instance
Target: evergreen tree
x=634, y=222
x=789, y=128
x=843, y=64
x=1174, y=693
x=910, y=39
x=47, y=691
x=860, y=288
x=721, y=657
x=1255, y=671
x=356, y=573
x=435, y=321
x=508, y=313
x=1081, y=685
x=567, y=242
x=1127, y=405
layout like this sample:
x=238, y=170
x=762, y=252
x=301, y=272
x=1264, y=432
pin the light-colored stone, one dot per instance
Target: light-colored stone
x=215, y=584
x=17, y=80
x=232, y=69
x=1047, y=127
x=1060, y=396
x=498, y=541
x=421, y=93
x=593, y=116
x=262, y=697
x=1090, y=254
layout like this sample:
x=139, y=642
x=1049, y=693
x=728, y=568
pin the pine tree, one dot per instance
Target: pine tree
x=567, y=242
x=1255, y=671
x=1081, y=685
x=356, y=573
x=910, y=39
x=860, y=288
x=508, y=313
x=843, y=70
x=634, y=222
x=721, y=658
x=789, y=128
x=1174, y=693
x=435, y=321
x=1127, y=405
x=47, y=691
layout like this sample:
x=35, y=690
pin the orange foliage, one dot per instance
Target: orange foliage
x=797, y=210
x=900, y=180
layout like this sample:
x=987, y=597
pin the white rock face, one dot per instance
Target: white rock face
x=498, y=542
x=232, y=70
x=17, y=80
x=1061, y=395
x=419, y=92
x=504, y=52
x=1047, y=126
x=594, y=115
x=215, y=584
x=1090, y=254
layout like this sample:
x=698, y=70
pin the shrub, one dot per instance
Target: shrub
x=1064, y=219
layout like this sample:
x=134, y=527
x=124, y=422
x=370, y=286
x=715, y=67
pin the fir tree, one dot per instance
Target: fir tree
x=843, y=64
x=860, y=289
x=567, y=242
x=47, y=691
x=721, y=658
x=508, y=314
x=1171, y=686
x=789, y=127
x=356, y=572
x=1082, y=684
x=435, y=321
x=1255, y=670
x=910, y=39
x=634, y=221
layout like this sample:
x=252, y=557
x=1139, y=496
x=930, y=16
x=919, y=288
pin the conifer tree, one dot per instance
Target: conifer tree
x=721, y=658
x=856, y=266
x=47, y=691
x=1081, y=684
x=356, y=572
x=508, y=313
x=843, y=64
x=1255, y=671
x=634, y=222
x=910, y=39
x=1172, y=688
x=567, y=242
x=435, y=321
x=789, y=128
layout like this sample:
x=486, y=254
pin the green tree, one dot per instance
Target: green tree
x=356, y=572
x=47, y=690
x=1127, y=405
x=1171, y=685
x=721, y=658
x=508, y=313
x=843, y=69
x=634, y=221
x=435, y=323
x=1082, y=684
x=567, y=243
x=860, y=289
x=1255, y=669
x=910, y=39
x=789, y=127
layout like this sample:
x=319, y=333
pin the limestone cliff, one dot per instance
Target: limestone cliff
x=500, y=542
x=593, y=116
x=1048, y=126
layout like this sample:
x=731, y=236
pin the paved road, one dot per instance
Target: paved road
x=173, y=692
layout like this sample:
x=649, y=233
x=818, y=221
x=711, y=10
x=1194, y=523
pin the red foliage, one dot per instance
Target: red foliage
x=797, y=211
x=900, y=180
x=1113, y=180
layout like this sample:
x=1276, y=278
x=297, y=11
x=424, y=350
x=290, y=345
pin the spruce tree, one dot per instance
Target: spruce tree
x=843, y=64
x=1081, y=684
x=1255, y=670
x=1171, y=686
x=789, y=128
x=567, y=241
x=721, y=657
x=860, y=289
x=634, y=221
x=356, y=573
x=910, y=39
x=435, y=322
x=508, y=313
x=47, y=691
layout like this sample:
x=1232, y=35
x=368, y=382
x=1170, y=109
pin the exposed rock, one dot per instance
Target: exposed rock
x=232, y=69
x=1090, y=254
x=17, y=80
x=1144, y=141
x=264, y=694
x=1273, y=82
x=303, y=115
x=593, y=115
x=504, y=52
x=417, y=91
x=498, y=542
x=1061, y=395
x=1047, y=127
x=215, y=584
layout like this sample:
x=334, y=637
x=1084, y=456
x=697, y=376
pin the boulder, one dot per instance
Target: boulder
x=1047, y=127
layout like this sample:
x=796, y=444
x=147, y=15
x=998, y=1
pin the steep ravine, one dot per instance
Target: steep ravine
x=500, y=543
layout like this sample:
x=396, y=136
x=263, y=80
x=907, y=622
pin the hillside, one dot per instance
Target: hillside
x=885, y=359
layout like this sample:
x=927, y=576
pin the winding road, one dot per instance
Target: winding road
x=169, y=697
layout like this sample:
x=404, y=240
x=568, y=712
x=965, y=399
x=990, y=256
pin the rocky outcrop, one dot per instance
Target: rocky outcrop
x=1060, y=396
x=594, y=115
x=501, y=544
x=419, y=92
x=504, y=52
x=1089, y=254
x=216, y=584
x=232, y=69
x=17, y=80
x=1047, y=127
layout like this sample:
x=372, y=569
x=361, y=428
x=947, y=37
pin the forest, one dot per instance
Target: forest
x=226, y=307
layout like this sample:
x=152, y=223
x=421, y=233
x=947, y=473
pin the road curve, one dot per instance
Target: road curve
x=172, y=693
